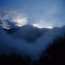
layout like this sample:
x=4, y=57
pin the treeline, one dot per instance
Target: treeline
x=54, y=55
x=14, y=59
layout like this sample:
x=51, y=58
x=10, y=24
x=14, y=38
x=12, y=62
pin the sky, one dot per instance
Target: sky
x=41, y=13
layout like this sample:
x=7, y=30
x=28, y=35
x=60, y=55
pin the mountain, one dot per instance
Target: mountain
x=29, y=33
x=11, y=30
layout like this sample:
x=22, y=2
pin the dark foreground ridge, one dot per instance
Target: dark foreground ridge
x=54, y=54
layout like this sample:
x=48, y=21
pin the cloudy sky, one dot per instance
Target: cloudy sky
x=41, y=13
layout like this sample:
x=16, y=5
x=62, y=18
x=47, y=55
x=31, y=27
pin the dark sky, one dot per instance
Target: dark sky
x=44, y=13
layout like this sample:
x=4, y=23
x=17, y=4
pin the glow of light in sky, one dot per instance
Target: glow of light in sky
x=40, y=26
x=36, y=25
x=49, y=27
x=20, y=21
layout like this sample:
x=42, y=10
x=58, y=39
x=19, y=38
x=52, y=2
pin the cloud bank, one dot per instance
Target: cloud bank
x=13, y=16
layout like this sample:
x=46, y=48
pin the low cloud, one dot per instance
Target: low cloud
x=10, y=44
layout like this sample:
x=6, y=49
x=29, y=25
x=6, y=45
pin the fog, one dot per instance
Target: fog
x=17, y=43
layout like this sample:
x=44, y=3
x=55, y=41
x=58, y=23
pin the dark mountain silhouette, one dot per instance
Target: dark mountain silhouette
x=10, y=31
x=27, y=32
